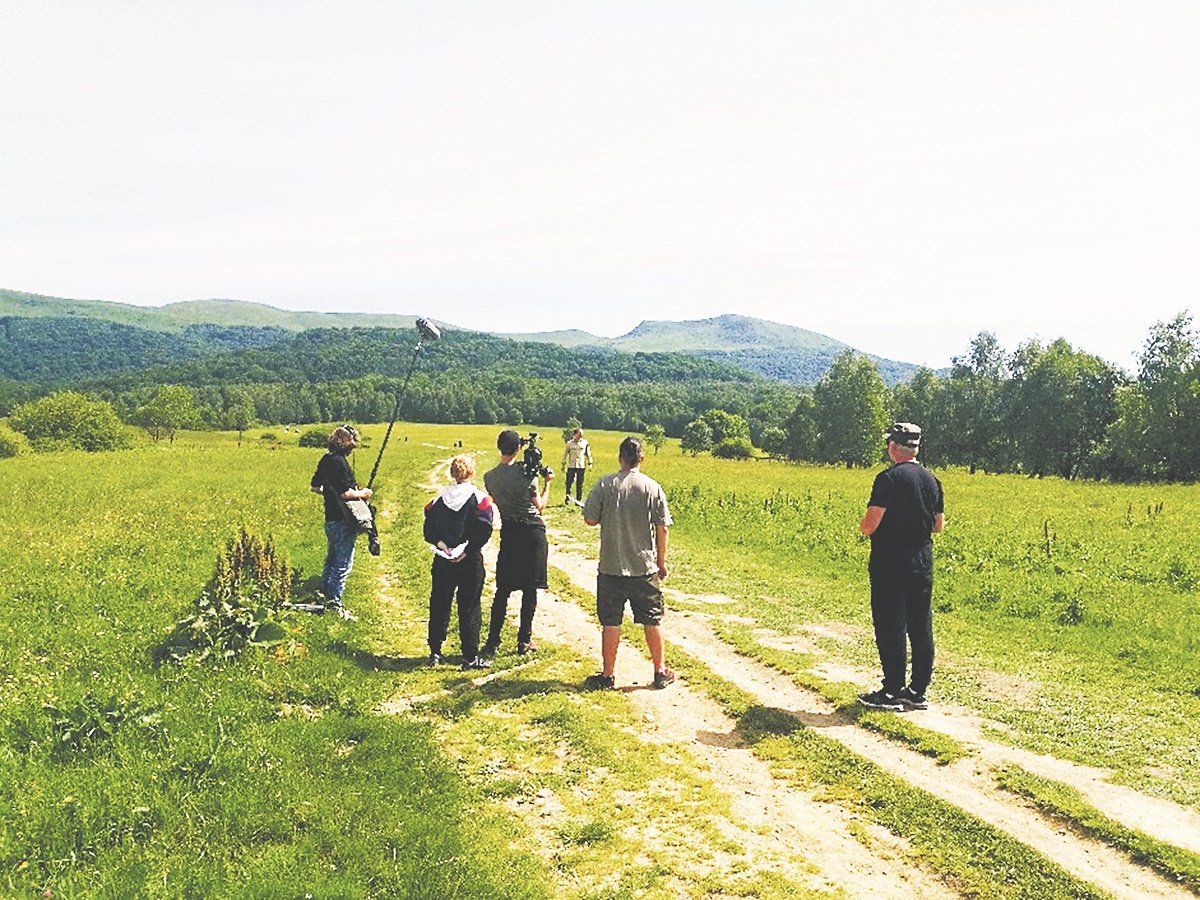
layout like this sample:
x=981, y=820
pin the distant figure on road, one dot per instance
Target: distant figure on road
x=521, y=562
x=334, y=481
x=631, y=510
x=458, y=523
x=904, y=511
x=576, y=456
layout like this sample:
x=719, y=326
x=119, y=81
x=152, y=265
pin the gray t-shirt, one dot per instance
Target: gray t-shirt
x=628, y=506
x=513, y=491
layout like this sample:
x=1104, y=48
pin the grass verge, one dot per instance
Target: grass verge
x=980, y=860
x=843, y=696
x=1067, y=805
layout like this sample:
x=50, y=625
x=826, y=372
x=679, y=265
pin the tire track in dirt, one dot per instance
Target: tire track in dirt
x=968, y=783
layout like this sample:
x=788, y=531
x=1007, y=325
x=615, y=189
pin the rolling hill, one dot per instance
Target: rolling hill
x=779, y=352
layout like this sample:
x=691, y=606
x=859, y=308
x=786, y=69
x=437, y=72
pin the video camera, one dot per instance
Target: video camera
x=531, y=461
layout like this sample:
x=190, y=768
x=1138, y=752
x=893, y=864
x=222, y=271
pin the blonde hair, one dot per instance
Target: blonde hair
x=462, y=468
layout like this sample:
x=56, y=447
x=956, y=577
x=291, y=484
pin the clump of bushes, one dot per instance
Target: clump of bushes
x=313, y=439
x=68, y=420
x=733, y=448
x=12, y=443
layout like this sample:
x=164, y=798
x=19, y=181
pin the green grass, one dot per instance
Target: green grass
x=264, y=775
x=1082, y=646
x=273, y=773
x=1066, y=804
x=844, y=697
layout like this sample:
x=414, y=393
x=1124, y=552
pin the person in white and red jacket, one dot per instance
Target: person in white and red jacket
x=458, y=523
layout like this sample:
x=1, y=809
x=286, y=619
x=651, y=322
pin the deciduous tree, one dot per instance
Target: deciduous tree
x=69, y=420
x=849, y=412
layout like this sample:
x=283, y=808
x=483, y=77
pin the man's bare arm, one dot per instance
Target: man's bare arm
x=872, y=519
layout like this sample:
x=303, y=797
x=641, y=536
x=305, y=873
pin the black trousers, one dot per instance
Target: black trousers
x=575, y=475
x=901, y=601
x=500, y=610
x=466, y=579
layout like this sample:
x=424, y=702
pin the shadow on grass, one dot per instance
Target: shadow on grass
x=378, y=662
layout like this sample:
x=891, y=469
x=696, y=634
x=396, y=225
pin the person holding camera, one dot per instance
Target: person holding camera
x=334, y=480
x=458, y=523
x=576, y=455
x=521, y=562
x=631, y=510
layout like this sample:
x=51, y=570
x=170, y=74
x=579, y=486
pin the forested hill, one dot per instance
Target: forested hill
x=56, y=350
x=175, y=317
x=779, y=352
x=352, y=375
x=339, y=354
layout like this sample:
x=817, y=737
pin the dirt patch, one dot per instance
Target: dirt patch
x=842, y=632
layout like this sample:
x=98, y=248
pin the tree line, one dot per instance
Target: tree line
x=1043, y=409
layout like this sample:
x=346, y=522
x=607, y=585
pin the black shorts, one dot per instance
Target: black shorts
x=640, y=591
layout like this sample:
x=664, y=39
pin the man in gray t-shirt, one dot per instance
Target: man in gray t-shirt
x=631, y=510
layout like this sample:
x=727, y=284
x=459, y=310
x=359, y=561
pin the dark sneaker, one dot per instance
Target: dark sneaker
x=525, y=648
x=477, y=663
x=912, y=700
x=435, y=658
x=881, y=699
x=600, y=682
x=663, y=678
x=488, y=653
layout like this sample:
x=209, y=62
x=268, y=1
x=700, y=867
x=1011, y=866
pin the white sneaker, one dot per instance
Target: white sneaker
x=346, y=614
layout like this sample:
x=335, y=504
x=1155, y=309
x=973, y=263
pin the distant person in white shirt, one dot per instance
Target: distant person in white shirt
x=576, y=456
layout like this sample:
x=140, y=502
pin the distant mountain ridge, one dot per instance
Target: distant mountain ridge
x=772, y=350
x=175, y=317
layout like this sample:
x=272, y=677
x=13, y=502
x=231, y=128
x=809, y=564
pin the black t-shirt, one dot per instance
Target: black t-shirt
x=334, y=477
x=912, y=498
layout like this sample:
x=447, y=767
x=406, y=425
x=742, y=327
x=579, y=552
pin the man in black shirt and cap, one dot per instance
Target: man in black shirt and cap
x=904, y=511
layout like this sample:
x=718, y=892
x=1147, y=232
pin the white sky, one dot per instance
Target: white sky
x=898, y=176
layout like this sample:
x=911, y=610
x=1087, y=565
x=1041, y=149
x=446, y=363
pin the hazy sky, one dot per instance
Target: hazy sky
x=898, y=176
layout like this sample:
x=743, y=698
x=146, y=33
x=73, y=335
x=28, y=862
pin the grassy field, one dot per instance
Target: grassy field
x=1066, y=612
x=263, y=775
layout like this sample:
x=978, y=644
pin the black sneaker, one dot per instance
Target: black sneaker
x=881, y=699
x=435, y=658
x=663, y=678
x=488, y=653
x=912, y=700
x=600, y=682
x=477, y=663
x=525, y=648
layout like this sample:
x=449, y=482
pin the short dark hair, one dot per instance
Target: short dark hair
x=508, y=443
x=631, y=451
